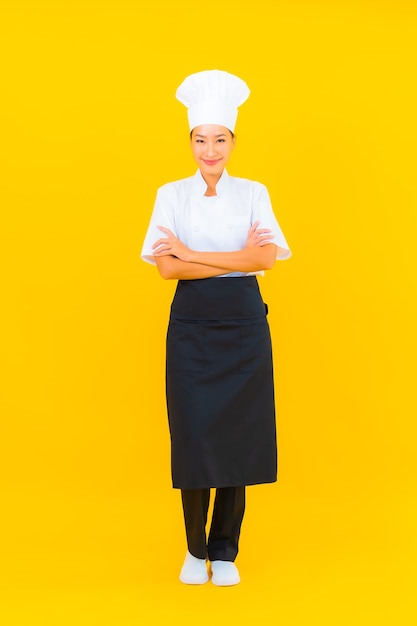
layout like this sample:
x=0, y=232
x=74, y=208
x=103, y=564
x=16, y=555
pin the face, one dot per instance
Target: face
x=211, y=146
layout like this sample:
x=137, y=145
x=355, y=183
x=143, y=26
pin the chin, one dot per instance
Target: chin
x=212, y=171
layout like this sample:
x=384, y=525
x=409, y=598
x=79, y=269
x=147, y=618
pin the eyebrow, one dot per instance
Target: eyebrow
x=204, y=136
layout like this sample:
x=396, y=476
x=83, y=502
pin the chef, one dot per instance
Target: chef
x=215, y=233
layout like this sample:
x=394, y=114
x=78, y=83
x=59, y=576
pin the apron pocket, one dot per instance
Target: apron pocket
x=255, y=347
x=185, y=347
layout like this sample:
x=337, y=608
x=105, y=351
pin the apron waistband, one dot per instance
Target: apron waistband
x=218, y=299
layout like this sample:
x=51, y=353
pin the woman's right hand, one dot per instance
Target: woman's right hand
x=170, y=245
x=258, y=236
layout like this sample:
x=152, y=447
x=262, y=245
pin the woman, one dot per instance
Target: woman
x=214, y=233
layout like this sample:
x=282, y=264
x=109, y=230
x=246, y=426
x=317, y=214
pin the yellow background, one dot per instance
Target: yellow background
x=92, y=532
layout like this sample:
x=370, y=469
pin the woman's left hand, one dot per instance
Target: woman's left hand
x=171, y=246
x=258, y=236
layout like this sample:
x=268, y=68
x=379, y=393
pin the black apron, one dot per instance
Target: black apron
x=219, y=383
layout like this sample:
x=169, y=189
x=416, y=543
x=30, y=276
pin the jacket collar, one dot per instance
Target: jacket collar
x=200, y=185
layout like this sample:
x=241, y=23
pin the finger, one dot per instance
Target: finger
x=263, y=241
x=162, y=251
x=160, y=242
x=263, y=230
x=166, y=230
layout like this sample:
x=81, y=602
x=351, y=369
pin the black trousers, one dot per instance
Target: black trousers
x=228, y=511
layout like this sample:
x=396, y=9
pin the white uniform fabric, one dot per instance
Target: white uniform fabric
x=213, y=223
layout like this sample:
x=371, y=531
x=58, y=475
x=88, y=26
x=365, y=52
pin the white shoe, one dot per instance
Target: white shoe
x=194, y=571
x=225, y=573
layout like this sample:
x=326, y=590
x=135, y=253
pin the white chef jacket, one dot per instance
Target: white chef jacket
x=213, y=223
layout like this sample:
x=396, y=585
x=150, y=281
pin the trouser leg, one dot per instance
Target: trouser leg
x=229, y=508
x=195, y=504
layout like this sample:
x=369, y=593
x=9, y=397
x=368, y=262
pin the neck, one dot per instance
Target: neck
x=211, y=181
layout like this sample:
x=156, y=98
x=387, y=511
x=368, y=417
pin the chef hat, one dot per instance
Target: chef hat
x=212, y=97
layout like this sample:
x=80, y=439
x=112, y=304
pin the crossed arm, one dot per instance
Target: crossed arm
x=177, y=261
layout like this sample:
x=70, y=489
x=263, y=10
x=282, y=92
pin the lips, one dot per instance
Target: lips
x=211, y=162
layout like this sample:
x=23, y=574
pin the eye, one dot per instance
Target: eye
x=199, y=141
x=221, y=140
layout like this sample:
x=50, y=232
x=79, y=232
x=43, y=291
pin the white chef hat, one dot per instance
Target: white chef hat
x=212, y=97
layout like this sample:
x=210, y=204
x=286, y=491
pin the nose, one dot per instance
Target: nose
x=211, y=148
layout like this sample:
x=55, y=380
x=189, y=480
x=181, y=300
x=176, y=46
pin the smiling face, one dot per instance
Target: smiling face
x=211, y=146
